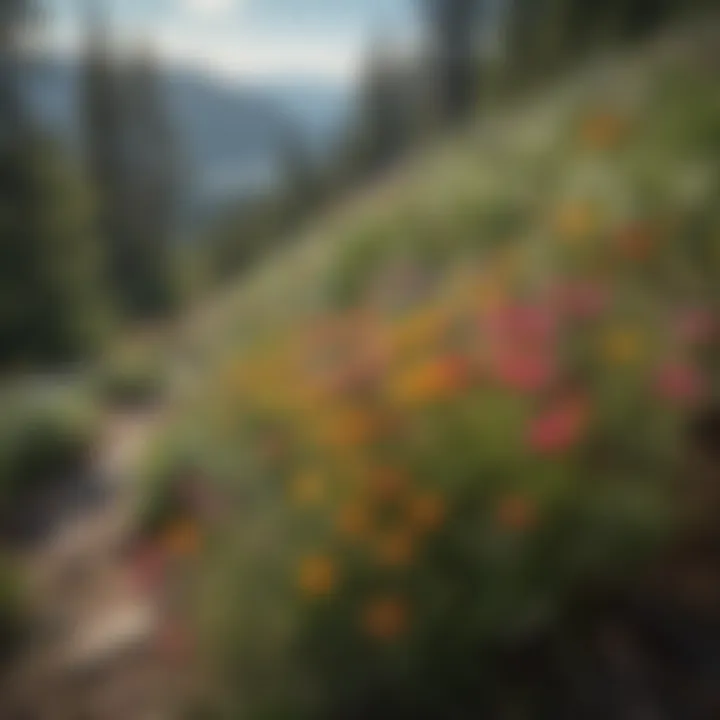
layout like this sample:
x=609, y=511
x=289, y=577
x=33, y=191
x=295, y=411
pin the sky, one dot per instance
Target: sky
x=244, y=39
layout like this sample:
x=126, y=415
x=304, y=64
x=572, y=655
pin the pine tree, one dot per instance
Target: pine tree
x=50, y=301
x=152, y=185
x=453, y=26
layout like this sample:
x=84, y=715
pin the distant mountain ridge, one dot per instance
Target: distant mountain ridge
x=229, y=133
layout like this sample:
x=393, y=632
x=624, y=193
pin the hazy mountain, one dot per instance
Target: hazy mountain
x=229, y=133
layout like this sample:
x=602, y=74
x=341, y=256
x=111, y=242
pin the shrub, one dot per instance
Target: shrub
x=45, y=433
x=131, y=377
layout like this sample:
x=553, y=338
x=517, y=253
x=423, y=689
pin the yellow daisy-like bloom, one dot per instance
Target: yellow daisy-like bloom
x=395, y=548
x=317, y=576
x=308, y=489
x=576, y=221
x=182, y=538
x=427, y=511
x=385, y=618
x=622, y=346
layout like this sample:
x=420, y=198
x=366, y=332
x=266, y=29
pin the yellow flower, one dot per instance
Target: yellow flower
x=576, y=221
x=622, y=346
x=308, y=489
x=424, y=382
x=317, y=576
x=385, y=618
x=348, y=427
x=427, y=511
x=422, y=329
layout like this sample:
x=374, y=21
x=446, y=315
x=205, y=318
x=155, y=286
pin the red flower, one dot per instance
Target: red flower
x=523, y=324
x=560, y=427
x=679, y=382
x=524, y=371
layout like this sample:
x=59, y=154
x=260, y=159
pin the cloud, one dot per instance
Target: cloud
x=211, y=8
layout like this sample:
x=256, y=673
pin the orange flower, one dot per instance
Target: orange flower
x=422, y=329
x=388, y=484
x=427, y=511
x=517, y=513
x=576, y=221
x=431, y=380
x=349, y=427
x=385, y=618
x=603, y=130
x=396, y=548
x=308, y=489
x=317, y=576
x=182, y=538
x=636, y=241
x=353, y=521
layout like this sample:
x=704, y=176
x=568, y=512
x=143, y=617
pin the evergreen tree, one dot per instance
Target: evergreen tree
x=132, y=156
x=383, y=131
x=152, y=189
x=453, y=26
x=49, y=270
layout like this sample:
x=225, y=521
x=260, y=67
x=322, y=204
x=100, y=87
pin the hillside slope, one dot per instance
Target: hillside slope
x=432, y=438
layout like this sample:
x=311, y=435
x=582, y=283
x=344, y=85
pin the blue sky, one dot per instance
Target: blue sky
x=246, y=39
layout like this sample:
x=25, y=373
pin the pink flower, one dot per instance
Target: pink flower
x=524, y=371
x=694, y=326
x=560, y=427
x=679, y=382
x=582, y=300
x=523, y=324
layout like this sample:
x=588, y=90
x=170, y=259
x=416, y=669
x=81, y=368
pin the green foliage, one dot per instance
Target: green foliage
x=131, y=376
x=52, y=302
x=45, y=433
x=12, y=611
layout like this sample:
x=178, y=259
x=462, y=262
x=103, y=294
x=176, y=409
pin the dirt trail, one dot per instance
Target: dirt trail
x=92, y=651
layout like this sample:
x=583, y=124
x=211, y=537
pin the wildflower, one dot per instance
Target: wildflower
x=385, y=618
x=522, y=371
x=635, y=241
x=575, y=222
x=560, y=427
x=694, y=326
x=622, y=346
x=388, y=484
x=582, y=300
x=353, y=521
x=432, y=380
x=396, y=548
x=427, y=511
x=182, y=538
x=602, y=130
x=679, y=382
x=421, y=330
x=308, y=489
x=348, y=427
x=516, y=513
x=317, y=576
x=523, y=324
